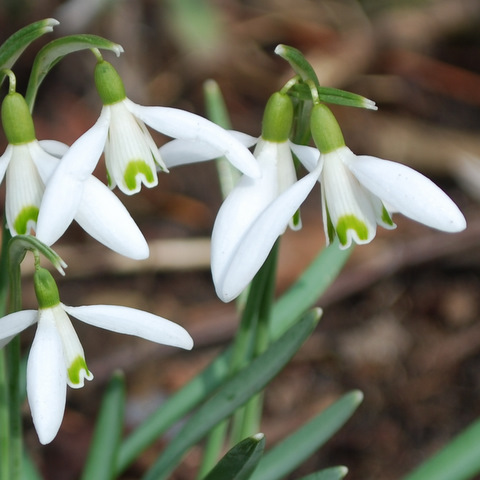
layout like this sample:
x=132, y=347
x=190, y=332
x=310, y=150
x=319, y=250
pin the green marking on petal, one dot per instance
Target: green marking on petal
x=26, y=215
x=134, y=168
x=351, y=222
x=386, y=217
x=75, y=370
x=330, y=228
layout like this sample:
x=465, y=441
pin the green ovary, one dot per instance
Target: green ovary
x=26, y=215
x=351, y=222
x=75, y=368
x=134, y=168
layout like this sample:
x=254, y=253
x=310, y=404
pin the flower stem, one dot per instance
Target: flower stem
x=4, y=420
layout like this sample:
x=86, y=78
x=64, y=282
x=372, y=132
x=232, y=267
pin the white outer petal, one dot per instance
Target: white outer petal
x=408, y=192
x=307, y=155
x=178, y=123
x=241, y=208
x=65, y=187
x=103, y=216
x=133, y=322
x=181, y=152
x=14, y=323
x=46, y=380
x=5, y=160
x=54, y=147
x=45, y=162
x=257, y=242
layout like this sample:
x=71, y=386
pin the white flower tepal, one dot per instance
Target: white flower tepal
x=57, y=357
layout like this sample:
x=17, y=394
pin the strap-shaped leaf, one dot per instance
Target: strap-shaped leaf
x=234, y=393
x=295, y=449
x=54, y=51
x=14, y=45
x=240, y=461
x=108, y=431
x=333, y=473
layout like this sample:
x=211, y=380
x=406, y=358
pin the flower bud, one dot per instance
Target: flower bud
x=277, y=118
x=46, y=289
x=109, y=84
x=16, y=120
x=326, y=132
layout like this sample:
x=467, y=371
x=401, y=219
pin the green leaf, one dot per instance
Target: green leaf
x=108, y=431
x=54, y=51
x=333, y=473
x=298, y=62
x=459, y=459
x=234, y=393
x=308, y=289
x=14, y=45
x=240, y=461
x=295, y=449
x=299, y=298
x=217, y=112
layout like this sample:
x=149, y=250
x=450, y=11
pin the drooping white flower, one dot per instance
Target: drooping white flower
x=130, y=152
x=28, y=165
x=57, y=357
x=357, y=194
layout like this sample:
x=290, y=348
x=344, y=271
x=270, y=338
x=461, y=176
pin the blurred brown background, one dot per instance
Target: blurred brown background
x=401, y=323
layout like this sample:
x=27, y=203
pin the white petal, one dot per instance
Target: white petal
x=408, y=192
x=14, y=323
x=242, y=207
x=5, y=160
x=307, y=155
x=24, y=190
x=103, y=216
x=44, y=161
x=348, y=203
x=181, y=152
x=46, y=380
x=177, y=123
x=65, y=188
x=74, y=356
x=133, y=322
x=257, y=242
x=54, y=147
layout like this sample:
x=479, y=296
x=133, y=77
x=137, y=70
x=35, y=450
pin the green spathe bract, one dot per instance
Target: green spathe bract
x=350, y=222
x=26, y=215
x=134, y=168
x=277, y=118
x=326, y=132
x=16, y=120
x=46, y=289
x=109, y=85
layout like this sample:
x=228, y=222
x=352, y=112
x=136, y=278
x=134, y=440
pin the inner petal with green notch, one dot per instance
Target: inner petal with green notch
x=138, y=171
x=348, y=223
x=26, y=220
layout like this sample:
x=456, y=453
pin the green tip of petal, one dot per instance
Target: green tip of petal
x=350, y=222
x=28, y=215
x=386, y=218
x=77, y=372
x=137, y=168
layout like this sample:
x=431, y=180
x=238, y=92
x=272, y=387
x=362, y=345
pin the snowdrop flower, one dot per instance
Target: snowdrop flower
x=130, y=152
x=357, y=194
x=57, y=357
x=28, y=165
